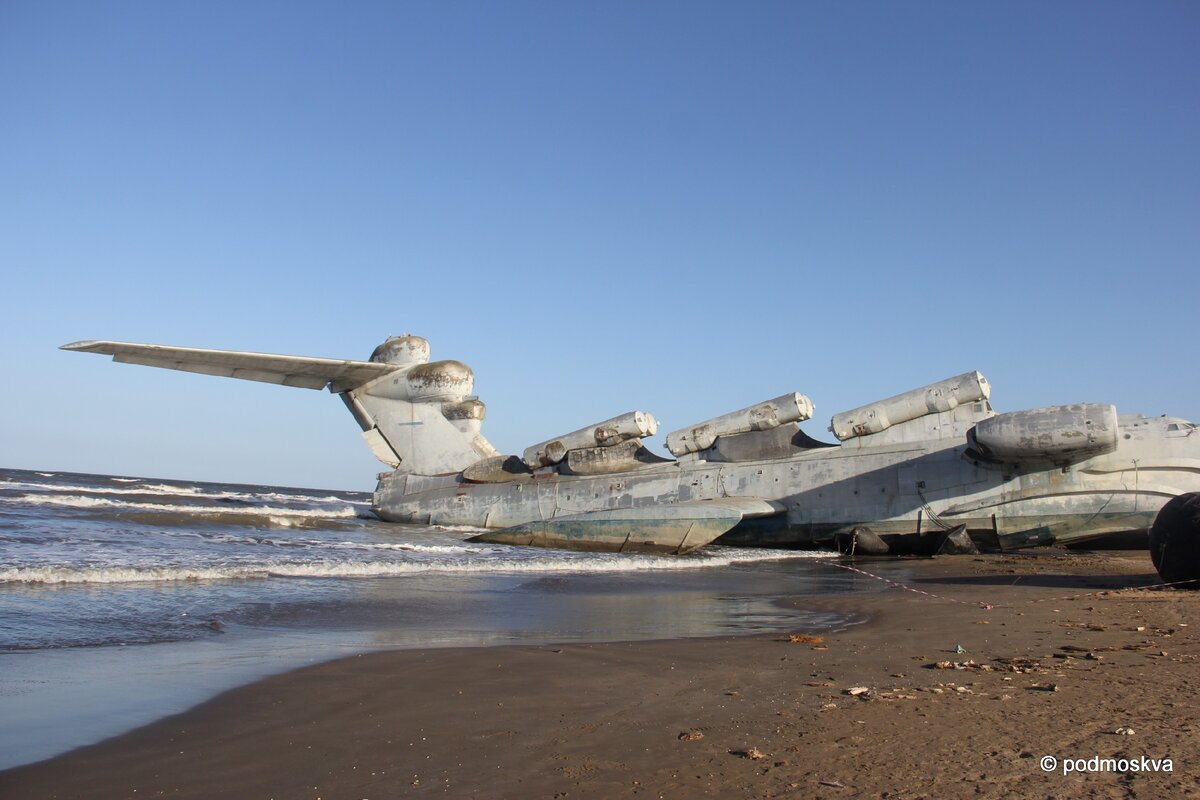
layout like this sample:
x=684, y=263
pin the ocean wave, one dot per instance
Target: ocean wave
x=283, y=516
x=592, y=563
x=401, y=547
x=168, y=490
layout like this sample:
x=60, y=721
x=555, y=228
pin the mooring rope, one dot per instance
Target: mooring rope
x=989, y=606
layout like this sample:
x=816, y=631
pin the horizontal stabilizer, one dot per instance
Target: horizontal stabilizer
x=676, y=528
x=301, y=371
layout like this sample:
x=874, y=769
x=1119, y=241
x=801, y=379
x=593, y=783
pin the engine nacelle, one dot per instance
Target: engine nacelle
x=426, y=383
x=1056, y=435
x=786, y=408
x=634, y=425
x=936, y=397
x=402, y=350
x=466, y=415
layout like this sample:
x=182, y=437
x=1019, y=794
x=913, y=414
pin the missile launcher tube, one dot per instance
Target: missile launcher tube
x=941, y=396
x=786, y=408
x=634, y=425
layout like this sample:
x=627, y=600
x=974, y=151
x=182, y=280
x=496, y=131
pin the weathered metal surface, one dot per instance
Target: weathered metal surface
x=497, y=469
x=910, y=467
x=403, y=351
x=1055, y=435
x=793, y=407
x=624, y=457
x=932, y=399
x=436, y=381
x=632, y=425
x=676, y=528
x=956, y=542
x=782, y=442
x=299, y=371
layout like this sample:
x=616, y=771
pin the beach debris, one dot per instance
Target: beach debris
x=860, y=691
x=961, y=665
x=833, y=784
x=959, y=649
x=752, y=753
x=690, y=736
x=1044, y=687
x=1124, y=731
x=806, y=638
x=956, y=542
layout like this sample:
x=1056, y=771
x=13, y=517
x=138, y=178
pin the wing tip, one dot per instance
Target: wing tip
x=84, y=345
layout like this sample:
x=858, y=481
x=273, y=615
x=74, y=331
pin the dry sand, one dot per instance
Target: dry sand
x=737, y=717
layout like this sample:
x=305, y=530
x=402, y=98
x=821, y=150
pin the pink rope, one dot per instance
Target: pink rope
x=990, y=606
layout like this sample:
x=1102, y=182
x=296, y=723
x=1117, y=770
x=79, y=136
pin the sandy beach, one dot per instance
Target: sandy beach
x=961, y=694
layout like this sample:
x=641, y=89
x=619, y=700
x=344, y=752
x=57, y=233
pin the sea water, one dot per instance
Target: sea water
x=124, y=599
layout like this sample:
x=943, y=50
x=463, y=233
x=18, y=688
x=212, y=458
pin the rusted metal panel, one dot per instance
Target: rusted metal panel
x=1055, y=435
x=792, y=407
x=932, y=399
x=673, y=528
x=402, y=351
x=631, y=425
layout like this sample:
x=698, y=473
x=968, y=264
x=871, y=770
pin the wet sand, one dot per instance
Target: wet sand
x=1056, y=668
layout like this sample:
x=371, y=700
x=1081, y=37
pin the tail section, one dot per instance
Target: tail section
x=415, y=415
x=421, y=417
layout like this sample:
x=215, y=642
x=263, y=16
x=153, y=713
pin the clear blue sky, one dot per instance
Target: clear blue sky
x=677, y=207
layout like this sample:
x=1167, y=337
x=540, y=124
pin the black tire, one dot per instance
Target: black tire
x=1175, y=540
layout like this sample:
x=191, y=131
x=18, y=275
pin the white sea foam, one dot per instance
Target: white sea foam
x=284, y=516
x=382, y=569
x=167, y=490
x=149, y=488
x=402, y=547
x=462, y=528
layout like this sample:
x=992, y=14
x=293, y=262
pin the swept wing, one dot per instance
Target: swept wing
x=305, y=372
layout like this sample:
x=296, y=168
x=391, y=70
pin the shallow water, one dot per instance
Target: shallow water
x=125, y=599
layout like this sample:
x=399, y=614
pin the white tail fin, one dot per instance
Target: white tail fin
x=415, y=415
